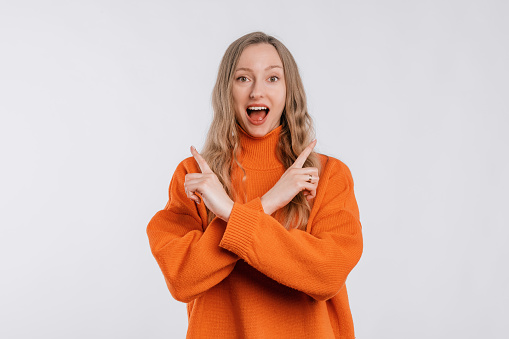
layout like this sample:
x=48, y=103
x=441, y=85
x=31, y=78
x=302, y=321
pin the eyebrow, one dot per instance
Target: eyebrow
x=250, y=70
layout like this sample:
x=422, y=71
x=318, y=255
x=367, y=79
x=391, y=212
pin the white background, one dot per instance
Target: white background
x=100, y=100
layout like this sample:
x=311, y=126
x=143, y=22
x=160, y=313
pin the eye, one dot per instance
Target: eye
x=273, y=79
x=242, y=79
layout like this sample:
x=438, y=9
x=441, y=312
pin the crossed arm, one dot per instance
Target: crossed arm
x=195, y=257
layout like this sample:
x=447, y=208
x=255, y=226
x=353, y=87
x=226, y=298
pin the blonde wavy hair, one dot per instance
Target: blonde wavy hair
x=297, y=126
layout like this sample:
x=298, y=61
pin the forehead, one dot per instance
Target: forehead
x=259, y=56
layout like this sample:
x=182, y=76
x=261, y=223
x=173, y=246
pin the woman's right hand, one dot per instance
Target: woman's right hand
x=293, y=181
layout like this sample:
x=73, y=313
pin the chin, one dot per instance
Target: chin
x=258, y=132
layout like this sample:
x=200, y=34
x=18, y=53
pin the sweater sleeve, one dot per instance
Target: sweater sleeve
x=317, y=261
x=186, y=249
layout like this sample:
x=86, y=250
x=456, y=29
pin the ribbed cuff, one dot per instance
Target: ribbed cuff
x=241, y=226
x=255, y=204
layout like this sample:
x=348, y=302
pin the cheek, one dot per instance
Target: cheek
x=238, y=97
x=282, y=97
x=282, y=92
x=236, y=102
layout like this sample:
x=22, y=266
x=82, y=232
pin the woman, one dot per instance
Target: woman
x=260, y=232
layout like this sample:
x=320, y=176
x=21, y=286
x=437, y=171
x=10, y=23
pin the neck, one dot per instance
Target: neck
x=259, y=152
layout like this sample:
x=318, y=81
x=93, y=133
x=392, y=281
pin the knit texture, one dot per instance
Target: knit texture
x=250, y=277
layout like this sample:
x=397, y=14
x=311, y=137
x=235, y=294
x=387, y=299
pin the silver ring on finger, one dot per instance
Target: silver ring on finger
x=310, y=178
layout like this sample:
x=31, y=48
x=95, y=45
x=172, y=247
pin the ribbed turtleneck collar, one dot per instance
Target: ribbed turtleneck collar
x=260, y=152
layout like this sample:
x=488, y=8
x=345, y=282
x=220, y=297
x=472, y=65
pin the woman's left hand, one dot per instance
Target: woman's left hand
x=208, y=186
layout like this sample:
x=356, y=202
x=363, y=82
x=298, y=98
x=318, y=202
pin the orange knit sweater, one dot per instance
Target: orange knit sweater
x=250, y=277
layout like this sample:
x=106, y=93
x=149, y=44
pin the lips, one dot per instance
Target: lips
x=257, y=113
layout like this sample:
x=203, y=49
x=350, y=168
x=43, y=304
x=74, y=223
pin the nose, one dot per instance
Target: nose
x=257, y=90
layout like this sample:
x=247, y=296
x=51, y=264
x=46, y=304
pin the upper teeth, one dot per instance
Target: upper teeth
x=257, y=108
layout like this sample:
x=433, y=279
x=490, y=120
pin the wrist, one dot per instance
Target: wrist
x=267, y=206
x=228, y=211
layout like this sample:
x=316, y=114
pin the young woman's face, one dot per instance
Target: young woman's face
x=259, y=89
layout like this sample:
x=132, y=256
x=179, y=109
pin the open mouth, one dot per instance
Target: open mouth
x=257, y=114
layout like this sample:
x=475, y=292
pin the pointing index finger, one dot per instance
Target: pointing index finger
x=301, y=159
x=204, y=167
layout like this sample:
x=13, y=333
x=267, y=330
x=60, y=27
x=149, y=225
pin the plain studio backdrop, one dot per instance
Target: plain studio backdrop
x=100, y=100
